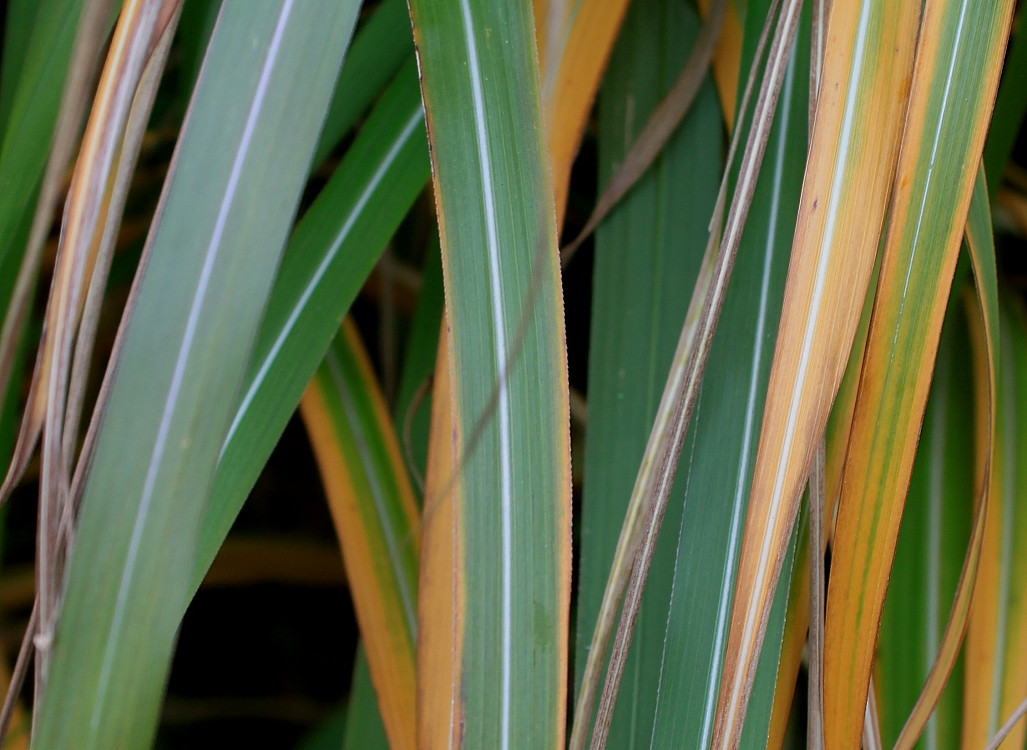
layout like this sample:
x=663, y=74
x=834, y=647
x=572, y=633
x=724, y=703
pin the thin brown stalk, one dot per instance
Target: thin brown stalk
x=743, y=107
x=669, y=419
x=821, y=9
x=95, y=200
x=85, y=61
x=619, y=575
x=656, y=473
x=659, y=128
x=1007, y=727
x=127, y=155
x=21, y=668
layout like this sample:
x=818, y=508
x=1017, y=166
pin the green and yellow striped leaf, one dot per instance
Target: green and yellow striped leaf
x=931, y=544
x=372, y=504
x=984, y=339
x=847, y=178
x=953, y=89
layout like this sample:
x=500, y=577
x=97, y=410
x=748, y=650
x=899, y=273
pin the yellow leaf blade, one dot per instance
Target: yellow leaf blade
x=372, y=506
x=847, y=179
x=727, y=60
x=953, y=89
x=441, y=599
x=571, y=81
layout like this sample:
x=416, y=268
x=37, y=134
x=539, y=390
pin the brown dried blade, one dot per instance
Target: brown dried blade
x=85, y=59
x=659, y=128
x=1007, y=727
x=95, y=201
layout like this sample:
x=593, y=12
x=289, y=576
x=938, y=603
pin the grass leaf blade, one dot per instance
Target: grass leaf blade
x=330, y=254
x=864, y=79
x=504, y=310
x=372, y=505
x=202, y=290
x=954, y=83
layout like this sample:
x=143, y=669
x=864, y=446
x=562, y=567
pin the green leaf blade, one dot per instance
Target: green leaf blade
x=328, y=258
x=213, y=251
x=932, y=542
x=647, y=255
x=497, y=224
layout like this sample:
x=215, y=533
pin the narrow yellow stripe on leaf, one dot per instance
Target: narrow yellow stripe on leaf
x=571, y=79
x=385, y=623
x=797, y=617
x=848, y=175
x=727, y=60
x=441, y=598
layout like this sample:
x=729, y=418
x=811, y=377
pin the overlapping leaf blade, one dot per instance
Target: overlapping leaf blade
x=931, y=545
x=372, y=504
x=955, y=78
x=380, y=48
x=1014, y=447
x=996, y=680
x=647, y=250
x=508, y=486
x=670, y=686
x=842, y=206
x=329, y=256
x=983, y=315
x=211, y=258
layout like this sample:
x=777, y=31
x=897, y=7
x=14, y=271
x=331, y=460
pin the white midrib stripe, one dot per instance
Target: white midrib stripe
x=934, y=522
x=377, y=494
x=723, y=606
x=499, y=332
x=178, y=374
x=929, y=177
x=752, y=613
x=318, y=276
